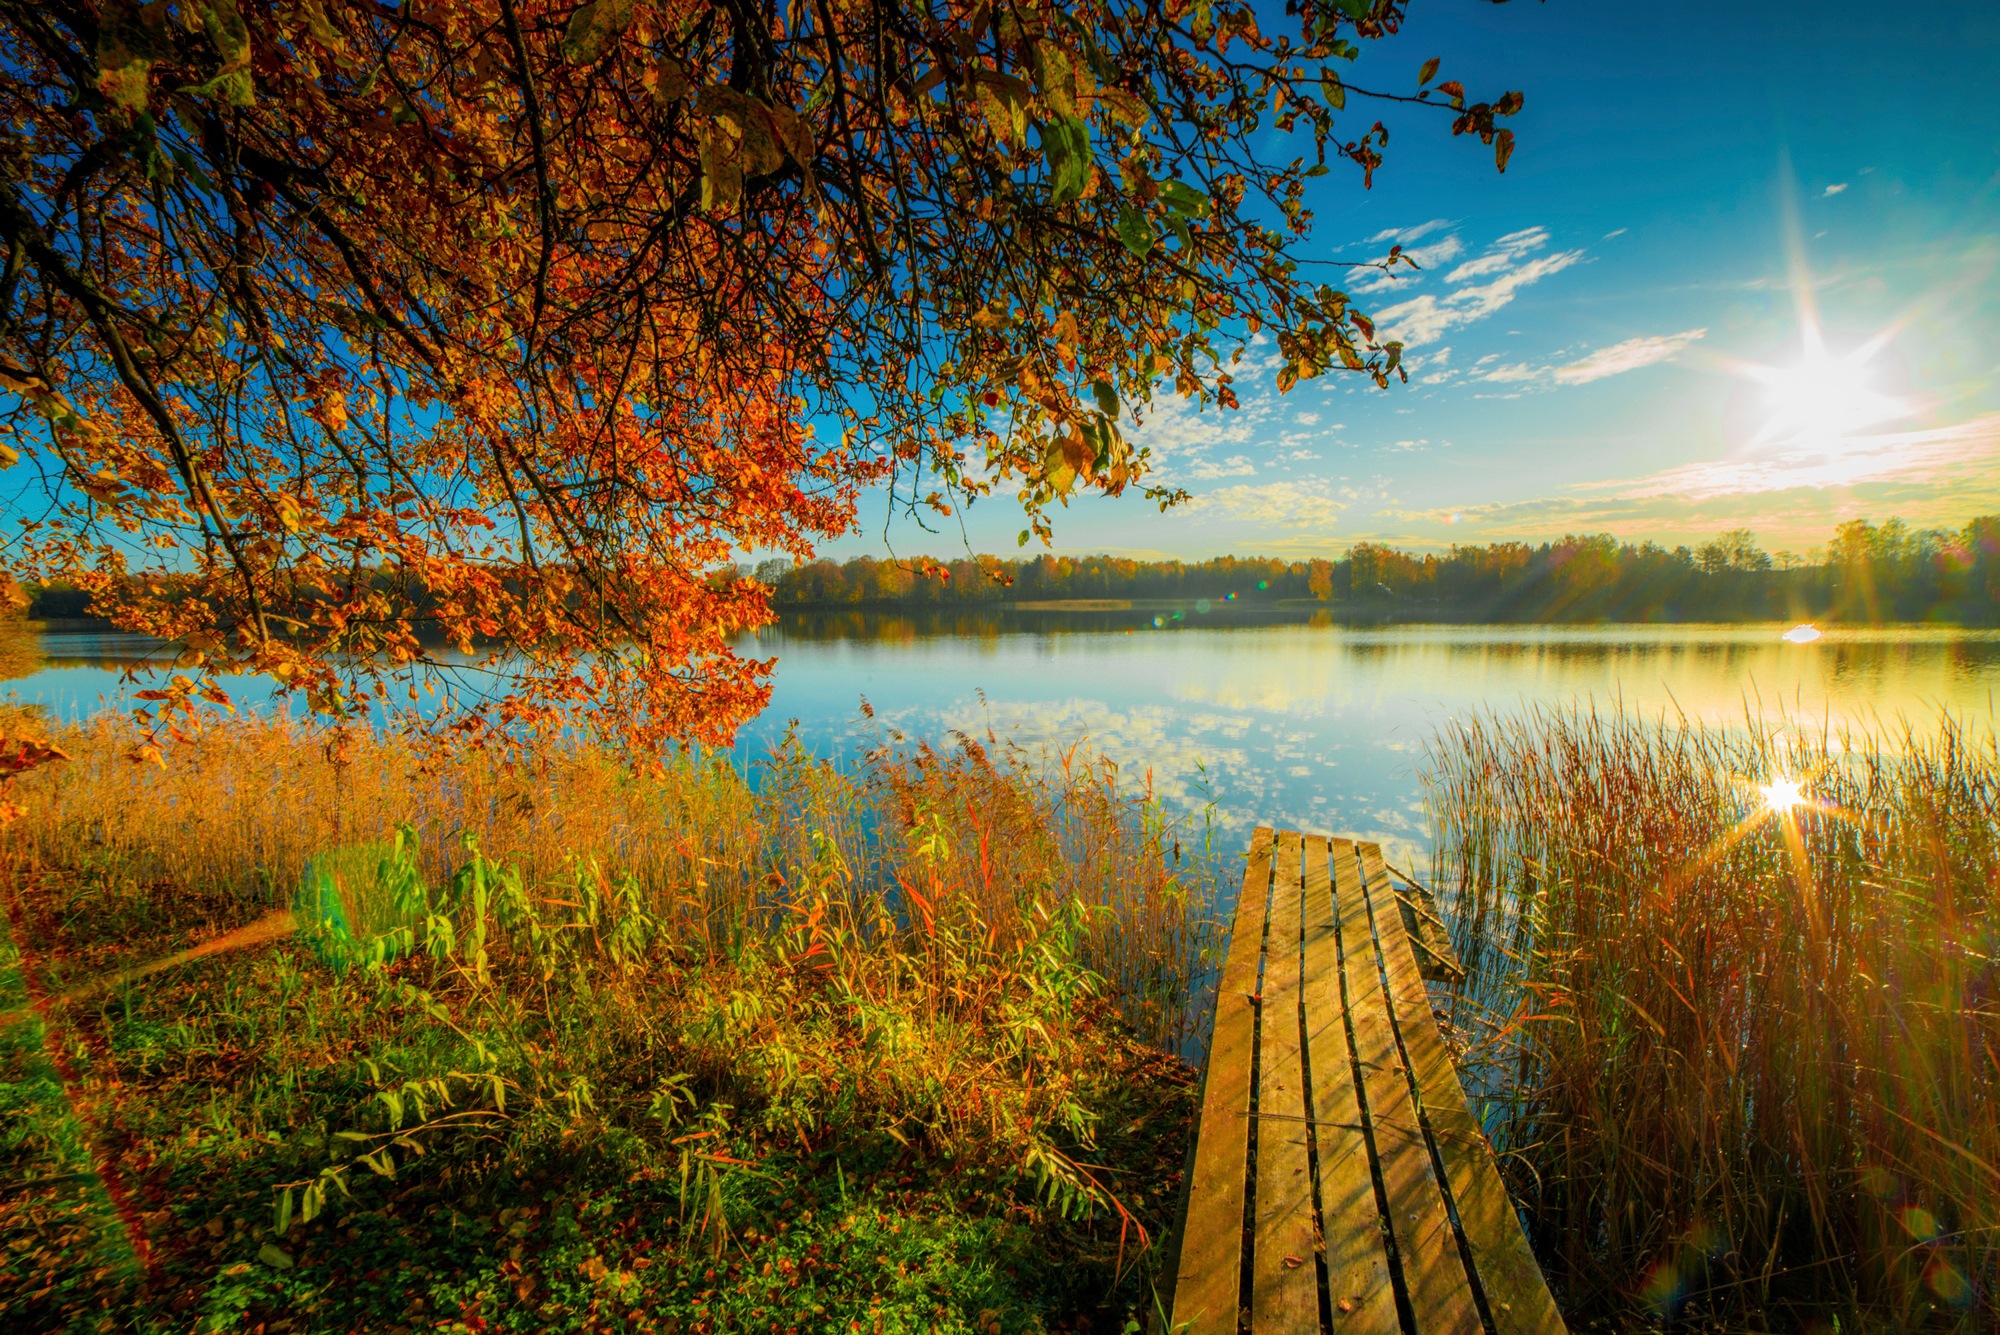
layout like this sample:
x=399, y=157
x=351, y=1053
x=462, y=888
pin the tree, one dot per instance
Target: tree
x=346, y=336
x=1321, y=580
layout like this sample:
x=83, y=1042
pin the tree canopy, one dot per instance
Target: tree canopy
x=347, y=340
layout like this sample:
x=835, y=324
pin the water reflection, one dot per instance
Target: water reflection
x=1259, y=714
x=20, y=650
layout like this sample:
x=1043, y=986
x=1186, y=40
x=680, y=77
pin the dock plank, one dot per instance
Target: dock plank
x=1208, y=1290
x=1332, y=1121
x=1517, y=1296
x=1434, y=1277
x=1357, y=1262
x=1284, y=1280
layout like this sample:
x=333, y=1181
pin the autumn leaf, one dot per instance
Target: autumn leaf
x=128, y=42
x=1003, y=100
x=592, y=28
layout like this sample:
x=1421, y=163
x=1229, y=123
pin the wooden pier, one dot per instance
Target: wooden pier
x=1340, y=1183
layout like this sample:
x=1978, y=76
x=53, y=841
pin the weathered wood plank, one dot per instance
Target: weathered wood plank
x=1433, y=1274
x=1516, y=1294
x=1437, y=959
x=1284, y=1289
x=1208, y=1289
x=1357, y=1263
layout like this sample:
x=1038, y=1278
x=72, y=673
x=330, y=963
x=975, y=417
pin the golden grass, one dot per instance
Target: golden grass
x=1741, y=1057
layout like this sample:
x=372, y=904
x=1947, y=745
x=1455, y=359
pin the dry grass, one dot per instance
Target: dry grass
x=1742, y=1062
x=986, y=831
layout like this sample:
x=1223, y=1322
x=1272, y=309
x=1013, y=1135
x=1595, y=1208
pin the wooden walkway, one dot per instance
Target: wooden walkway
x=1339, y=1181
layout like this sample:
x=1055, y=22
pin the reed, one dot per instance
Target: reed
x=1735, y=1009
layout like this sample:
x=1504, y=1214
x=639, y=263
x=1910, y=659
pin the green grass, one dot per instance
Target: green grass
x=591, y=1049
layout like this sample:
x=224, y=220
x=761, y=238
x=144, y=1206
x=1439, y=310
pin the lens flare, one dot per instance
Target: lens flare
x=1782, y=794
x=1805, y=633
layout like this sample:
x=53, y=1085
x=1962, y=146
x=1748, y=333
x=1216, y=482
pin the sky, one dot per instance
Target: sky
x=1742, y=271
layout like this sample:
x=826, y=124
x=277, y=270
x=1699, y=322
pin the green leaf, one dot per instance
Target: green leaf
x=232, y=88
x=1334, y=91
x=1428, y=72
x=274, y=1256
x=226, y=32
x=1183, y=199
x=1066, y=141
x=1355, y=9
x=1022, y=541
x=1135, y=232
x=592, y=29
x=1107, y=398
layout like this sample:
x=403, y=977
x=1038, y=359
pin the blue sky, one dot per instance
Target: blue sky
x=1613, y=335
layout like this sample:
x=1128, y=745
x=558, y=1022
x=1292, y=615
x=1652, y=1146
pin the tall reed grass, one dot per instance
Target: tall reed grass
x=1738, y=1054
x=982, y=832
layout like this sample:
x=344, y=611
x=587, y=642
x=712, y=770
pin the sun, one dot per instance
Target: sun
x=1822, y=397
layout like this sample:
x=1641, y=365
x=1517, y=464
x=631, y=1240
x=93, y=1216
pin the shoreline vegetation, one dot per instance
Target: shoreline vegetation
x=558, y=1046
x=1867, y=573
x=324, y=1034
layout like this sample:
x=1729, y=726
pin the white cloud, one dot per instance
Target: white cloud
x=1480, y=267
x=1185, y=439
x=1442, y=251
x=1617, y=359
x=1630, y=355
x=1424, y=319
x=1616, y=231
x=1527, y=239
x=1207, y=470
x=1405, y=235
x=1288, y=505
x=1834, y=189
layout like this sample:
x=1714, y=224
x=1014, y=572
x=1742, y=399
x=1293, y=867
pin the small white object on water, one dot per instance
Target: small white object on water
x=1801, y=634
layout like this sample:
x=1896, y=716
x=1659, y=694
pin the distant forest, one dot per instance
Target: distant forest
x=1867, y=573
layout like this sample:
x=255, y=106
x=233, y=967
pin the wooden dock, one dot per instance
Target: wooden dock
x=1340, y=1183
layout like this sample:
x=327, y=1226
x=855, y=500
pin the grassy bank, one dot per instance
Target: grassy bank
x=486, y=1047
x=1742, y=1053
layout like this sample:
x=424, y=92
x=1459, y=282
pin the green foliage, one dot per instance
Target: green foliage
x=364, y=905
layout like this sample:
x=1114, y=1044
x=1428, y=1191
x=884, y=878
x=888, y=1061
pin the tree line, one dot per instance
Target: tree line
x=1869, y=572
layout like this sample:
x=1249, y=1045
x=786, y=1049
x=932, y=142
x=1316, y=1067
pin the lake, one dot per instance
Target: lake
x=1265, y=717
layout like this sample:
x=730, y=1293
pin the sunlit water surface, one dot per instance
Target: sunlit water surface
x=1257, y=720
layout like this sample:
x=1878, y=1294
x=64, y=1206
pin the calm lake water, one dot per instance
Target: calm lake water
x=1269, y=720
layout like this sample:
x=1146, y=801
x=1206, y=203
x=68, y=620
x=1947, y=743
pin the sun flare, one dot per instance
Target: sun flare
x=1822, y=397
x=1782, y=794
